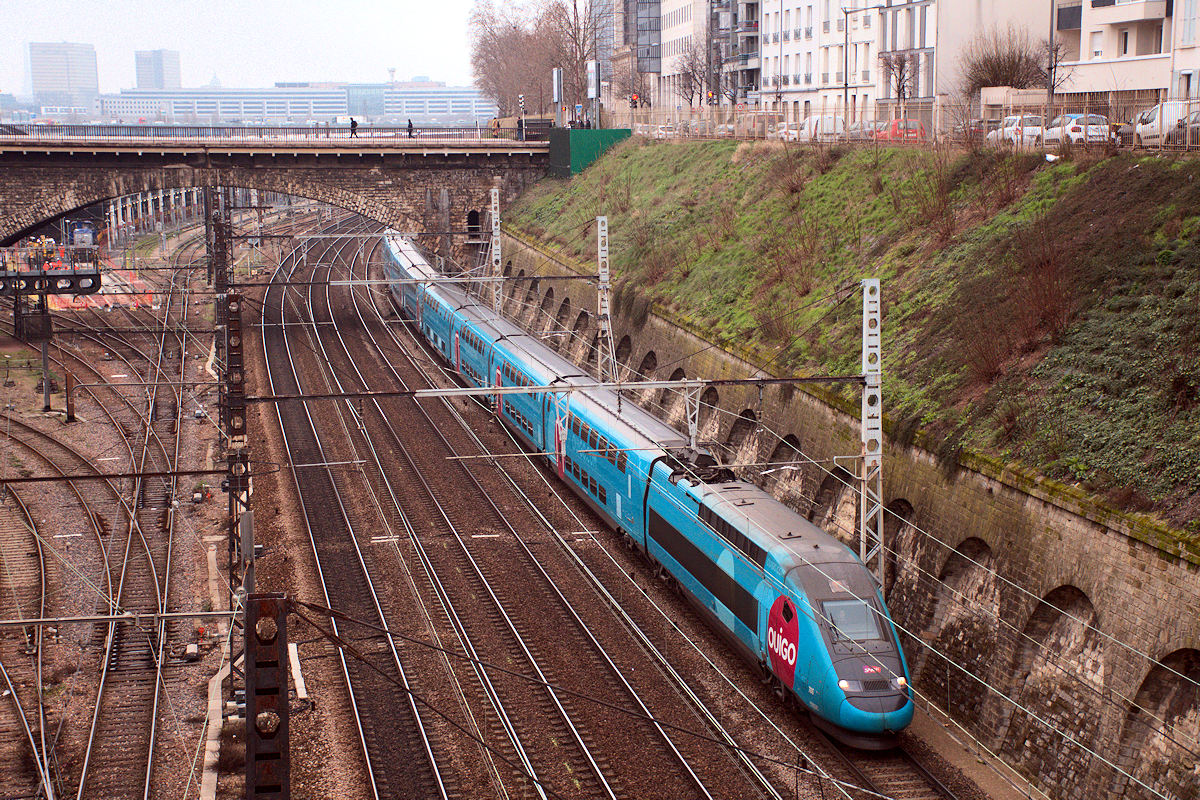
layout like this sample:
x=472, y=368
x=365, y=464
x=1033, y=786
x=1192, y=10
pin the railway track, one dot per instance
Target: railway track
x=22, y=704
x=609, y=749
x=119, y=757
x=395, y=741
x=891, y=774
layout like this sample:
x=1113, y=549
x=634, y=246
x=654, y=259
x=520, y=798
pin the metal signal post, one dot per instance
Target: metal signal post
x=608, y=360
x=496, y=259
x=870, y=511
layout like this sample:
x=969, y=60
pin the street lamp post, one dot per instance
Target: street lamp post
x=845, y=66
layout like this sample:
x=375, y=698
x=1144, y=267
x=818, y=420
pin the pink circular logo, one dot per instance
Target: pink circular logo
x=783, y=637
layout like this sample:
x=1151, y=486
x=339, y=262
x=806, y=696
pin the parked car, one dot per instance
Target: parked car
x=901, y=130
x=1020, y=130
x=823, y=128
x=972, y=130
x=664, y=132
x=1186, y=132
x=1125, y=132
x=863, y=131
x=788, y=131
x=1077, y=129
x=1154, y=125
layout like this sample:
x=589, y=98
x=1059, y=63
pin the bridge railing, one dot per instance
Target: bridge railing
x=314, y=135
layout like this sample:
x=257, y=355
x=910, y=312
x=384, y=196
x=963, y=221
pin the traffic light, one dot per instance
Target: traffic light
x=712, y=98
x=633, y=101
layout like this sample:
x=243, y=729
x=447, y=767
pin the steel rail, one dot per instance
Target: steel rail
x=154, y=366
x=534, y=561
x=41, y=756
x=355, y=707
x=442, y=594
x=93, y=517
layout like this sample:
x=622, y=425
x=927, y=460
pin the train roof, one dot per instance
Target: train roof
x=773, y=522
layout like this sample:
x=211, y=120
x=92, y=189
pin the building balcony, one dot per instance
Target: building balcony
x=1121, y=12
x=808, y=32
x=798, y=34
x=796, y=79
x=1118, y=74
x=747, y=26
x=787, y=35
x=808, y=77
x=775, y=36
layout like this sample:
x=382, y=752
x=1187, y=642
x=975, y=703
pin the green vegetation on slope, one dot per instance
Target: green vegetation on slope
x=1042, y=313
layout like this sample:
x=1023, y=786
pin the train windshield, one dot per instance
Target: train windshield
x=852, y=619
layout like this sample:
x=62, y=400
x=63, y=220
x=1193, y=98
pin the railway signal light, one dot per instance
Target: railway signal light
x=633, y=101
x=268, y=763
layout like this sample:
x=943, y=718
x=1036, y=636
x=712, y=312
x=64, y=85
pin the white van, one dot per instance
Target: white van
x=823, y=128
x=1154, y=125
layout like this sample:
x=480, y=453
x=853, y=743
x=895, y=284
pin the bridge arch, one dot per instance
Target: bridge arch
x=1057, y=671
x=407, y=188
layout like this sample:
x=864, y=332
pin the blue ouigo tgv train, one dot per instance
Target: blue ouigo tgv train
x=787, y=595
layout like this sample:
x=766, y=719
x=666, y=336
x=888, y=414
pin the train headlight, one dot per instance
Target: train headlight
x=850, y=686
x=900, y=682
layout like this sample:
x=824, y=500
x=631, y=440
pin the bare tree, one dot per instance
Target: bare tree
x=997, y=57
x=694, y=68
x=1054, y=55
x=511, y=54
x=898, y=73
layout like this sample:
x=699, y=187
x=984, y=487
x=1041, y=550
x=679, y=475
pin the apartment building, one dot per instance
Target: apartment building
x=862, y=59
x=1129, y=48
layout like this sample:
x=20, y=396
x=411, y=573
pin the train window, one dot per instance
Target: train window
x=621, y=460
x=575, y=425
x=592, y=443
x=852, y=619
x=603, y=495
x=592, y=484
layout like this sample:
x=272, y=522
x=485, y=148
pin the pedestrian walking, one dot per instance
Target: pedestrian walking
x=410, y=129
x=353, y=128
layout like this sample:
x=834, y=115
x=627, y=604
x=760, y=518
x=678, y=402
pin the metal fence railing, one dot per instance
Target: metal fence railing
x=314, y=135
x=1084, y=122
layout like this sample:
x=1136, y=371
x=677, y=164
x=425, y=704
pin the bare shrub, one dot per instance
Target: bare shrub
x=984, y=341
x=1046, y=299
x=933, y=197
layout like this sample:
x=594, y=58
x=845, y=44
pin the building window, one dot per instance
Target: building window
x=1096, y=48
x=1123, y=42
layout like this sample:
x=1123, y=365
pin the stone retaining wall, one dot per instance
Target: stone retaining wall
x=1047, y=624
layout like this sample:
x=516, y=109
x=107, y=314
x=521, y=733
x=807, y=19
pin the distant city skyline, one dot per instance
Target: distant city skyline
x=247, y=44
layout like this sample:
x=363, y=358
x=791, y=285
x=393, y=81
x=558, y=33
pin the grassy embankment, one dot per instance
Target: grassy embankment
x=1045, y=315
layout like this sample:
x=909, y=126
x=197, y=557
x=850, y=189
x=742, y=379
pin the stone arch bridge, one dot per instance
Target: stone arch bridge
x=413, y=184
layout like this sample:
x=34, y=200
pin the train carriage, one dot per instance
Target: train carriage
x=786, y=594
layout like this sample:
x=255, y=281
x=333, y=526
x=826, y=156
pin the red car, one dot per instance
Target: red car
x=901, y=130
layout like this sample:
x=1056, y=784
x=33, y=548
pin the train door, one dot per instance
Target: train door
x=458, y=352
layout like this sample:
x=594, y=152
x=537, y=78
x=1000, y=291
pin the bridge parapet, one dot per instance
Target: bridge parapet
x=308, y=138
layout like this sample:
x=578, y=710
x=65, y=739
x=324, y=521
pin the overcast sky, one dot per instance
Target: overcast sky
x=247, y=43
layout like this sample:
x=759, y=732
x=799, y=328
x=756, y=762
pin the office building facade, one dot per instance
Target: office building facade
x=63, y=73
x=157, y=69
